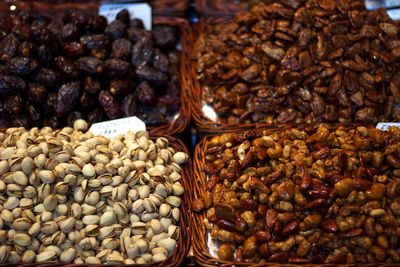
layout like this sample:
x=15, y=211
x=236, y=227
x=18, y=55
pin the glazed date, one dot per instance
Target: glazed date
x=67, y=98
x=109, y=105
x=10, y=83
x=90, y=65
x=22, y=65
x=121, y=49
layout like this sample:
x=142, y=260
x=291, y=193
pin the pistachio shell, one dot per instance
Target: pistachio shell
x=168, y=243
x=22, y=239
x=45, y=256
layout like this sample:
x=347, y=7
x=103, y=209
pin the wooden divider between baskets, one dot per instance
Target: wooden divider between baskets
x=201, y=255
x=183, y=243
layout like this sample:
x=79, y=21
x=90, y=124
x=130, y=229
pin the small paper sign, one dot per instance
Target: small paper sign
x=112, y=128
x=375, y=4
x=384, y=126
x=394, y=13
x=136, y=10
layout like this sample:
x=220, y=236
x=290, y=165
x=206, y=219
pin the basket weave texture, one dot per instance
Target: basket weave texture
x=222, y=7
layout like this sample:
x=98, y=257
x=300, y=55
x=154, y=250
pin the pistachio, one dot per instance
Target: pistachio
x=28, y=256
x=20, y=178
x=173, y=200
x=180, y=158
x=22, y=239
x=11, y=203
x=80, y=125
x=88, y=170
x=68, y=255
x=167, y=243
x=108, y=218
x=46, y=176
x=4, y=167
x=46, y=256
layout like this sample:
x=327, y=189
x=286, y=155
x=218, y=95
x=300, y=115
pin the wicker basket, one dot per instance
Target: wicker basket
x=182, y=118
x=204, y=123
x=160, y=7
x=200, y=248
x=179, y=124
x=183, y=246
x=223, y=7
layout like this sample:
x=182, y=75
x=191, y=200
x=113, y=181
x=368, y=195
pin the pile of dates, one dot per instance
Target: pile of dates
x=302, y=62
x=54, y=71
x=317, y=195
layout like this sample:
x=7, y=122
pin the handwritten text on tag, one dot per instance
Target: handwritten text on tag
x=112, y=128
x=384, y=126
x=136, y=10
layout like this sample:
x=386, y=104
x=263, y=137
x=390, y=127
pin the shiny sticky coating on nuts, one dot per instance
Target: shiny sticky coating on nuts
x=301, y=62
x=304, y=195
x=76, y=66
x=72, y=197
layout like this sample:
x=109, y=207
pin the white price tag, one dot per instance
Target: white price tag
x=394, y=14
x=384, y=126
x=112, y=128
x=136, y=10
x=375, y=4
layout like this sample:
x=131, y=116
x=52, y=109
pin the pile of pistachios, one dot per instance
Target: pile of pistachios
x=72, y=197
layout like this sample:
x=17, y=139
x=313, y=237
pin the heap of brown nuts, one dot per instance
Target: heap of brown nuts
x=312, y=195
x=302, y=62
x=54, y=71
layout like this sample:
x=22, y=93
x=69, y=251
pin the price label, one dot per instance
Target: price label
x=136, y=10
x=112, y=128
x=384, y=126
x=394, y=14
x=375, y=4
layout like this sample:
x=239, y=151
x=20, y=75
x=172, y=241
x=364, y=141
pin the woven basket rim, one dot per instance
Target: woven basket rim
x=223, y=8
x=183, y=116
x=201, y=255
x=182, y=247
